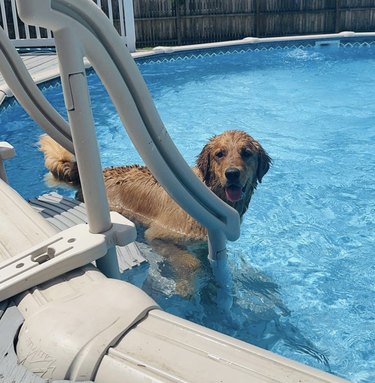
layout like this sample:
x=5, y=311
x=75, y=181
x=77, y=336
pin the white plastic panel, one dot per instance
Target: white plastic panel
x=164, y=348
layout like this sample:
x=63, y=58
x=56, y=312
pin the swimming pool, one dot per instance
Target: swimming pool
x=303, y=269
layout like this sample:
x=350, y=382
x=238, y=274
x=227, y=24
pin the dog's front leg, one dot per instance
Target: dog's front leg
x=182, y=262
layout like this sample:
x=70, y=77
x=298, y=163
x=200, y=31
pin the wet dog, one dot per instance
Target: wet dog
x=231, y=164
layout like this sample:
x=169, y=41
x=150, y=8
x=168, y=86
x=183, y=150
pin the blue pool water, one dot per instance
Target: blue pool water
x=304, y=266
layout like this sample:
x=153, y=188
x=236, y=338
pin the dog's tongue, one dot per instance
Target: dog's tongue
x=233, y=193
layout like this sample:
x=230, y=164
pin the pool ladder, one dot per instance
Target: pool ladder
x=81, y=30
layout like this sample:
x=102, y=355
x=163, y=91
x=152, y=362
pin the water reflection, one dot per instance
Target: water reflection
x=257, y=315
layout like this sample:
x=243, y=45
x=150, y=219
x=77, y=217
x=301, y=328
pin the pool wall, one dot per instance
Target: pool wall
x=254, y=43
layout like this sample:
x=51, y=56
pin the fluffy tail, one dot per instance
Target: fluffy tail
x=59, y=161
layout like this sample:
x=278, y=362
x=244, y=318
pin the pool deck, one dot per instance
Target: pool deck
x=44, y=67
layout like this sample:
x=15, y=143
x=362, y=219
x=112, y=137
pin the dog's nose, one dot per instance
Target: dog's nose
x=232, y=174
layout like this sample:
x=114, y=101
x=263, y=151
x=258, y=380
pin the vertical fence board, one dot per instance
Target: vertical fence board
x=28, y=36
x=4, y=18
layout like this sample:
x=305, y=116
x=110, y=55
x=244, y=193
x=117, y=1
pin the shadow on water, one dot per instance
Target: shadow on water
x=257, y=315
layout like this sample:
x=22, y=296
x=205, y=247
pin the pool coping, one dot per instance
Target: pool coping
x=253, y=42
x=51, y=72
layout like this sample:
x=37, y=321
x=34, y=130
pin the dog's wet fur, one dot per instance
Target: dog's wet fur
x=231, y=164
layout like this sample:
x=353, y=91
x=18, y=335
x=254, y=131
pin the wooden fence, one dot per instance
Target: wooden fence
x=179, y=22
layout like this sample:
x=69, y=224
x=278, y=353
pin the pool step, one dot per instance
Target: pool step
x=62, y=213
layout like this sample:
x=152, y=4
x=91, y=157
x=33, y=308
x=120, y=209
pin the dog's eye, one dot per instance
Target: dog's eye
x=246, y=153
x=220, y=154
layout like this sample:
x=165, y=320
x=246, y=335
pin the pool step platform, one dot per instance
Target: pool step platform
x=63, y=213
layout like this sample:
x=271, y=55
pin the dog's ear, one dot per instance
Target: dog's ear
x=264, y=163
x=204, y=163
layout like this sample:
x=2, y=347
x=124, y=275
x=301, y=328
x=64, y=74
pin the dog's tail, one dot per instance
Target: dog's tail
x=59, y=161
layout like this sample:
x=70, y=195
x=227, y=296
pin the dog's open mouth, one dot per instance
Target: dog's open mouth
x=233, y=193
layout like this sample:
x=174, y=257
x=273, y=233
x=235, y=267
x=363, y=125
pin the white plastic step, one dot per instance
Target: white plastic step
x=63, y=213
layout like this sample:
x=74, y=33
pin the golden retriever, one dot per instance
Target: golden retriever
x=231, y=164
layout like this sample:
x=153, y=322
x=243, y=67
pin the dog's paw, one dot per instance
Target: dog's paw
x=185, y=289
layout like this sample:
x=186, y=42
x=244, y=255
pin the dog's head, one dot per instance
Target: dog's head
x=232, y=164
